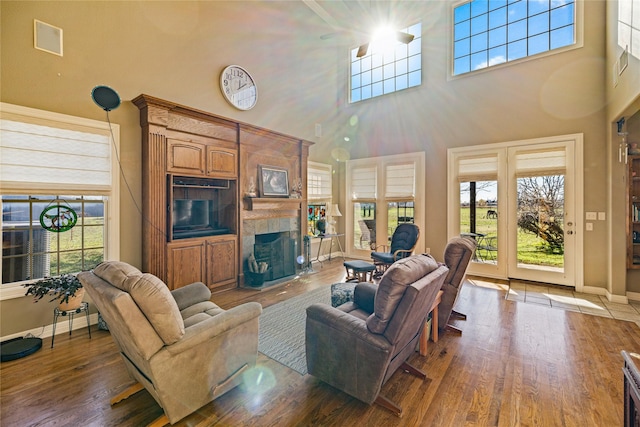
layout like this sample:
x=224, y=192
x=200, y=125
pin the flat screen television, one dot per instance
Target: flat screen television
x=195, y=218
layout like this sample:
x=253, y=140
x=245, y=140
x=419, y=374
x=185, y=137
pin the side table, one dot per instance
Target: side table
x=424, y=337
x=329, y=237
x=84, y=307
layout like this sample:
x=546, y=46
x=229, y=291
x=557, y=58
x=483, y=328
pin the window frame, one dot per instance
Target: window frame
x=323, y=199
x=578, y=43
x=352, y=59
x=112, y=194
x=380, y=165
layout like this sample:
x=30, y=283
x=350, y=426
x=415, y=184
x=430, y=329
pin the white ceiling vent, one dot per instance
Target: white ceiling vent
x=47, y=37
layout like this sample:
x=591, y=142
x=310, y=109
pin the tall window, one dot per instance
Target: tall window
x=387, y=68
x=488, y=33
x=52, y=163
x=382, y=192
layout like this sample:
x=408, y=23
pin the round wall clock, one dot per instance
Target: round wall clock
x=238, y=87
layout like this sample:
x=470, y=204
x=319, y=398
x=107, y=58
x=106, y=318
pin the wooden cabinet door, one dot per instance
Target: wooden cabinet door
x=221, y=263
x=185, y=263
x=185, y=157
x=222, y=162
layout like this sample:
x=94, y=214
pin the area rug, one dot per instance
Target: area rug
x=282, y=328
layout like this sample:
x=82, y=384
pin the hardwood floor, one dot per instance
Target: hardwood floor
x=515, y=364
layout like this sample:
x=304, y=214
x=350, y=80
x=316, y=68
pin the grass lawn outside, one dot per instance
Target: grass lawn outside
x=530, y=246
x=88, y=239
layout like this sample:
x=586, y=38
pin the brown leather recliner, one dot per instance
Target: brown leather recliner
x=357, y=346
x=457, y=256
x=185, y=350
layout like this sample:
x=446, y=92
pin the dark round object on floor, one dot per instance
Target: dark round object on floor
x=19, y=347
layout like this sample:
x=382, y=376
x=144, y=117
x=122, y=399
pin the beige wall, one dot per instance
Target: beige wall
x=176, y=50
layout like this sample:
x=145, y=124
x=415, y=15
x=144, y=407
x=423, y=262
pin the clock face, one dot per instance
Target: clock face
x=238, y=87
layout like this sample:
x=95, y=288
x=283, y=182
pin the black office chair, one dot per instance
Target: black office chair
x=403, y=242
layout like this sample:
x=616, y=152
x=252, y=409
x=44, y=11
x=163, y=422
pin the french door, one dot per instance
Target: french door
x=521, y=201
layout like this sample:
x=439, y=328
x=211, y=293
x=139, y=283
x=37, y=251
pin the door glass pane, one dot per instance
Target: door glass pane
x=479, y=217
x=399, y=213
x=540, y=219
x=364, y=226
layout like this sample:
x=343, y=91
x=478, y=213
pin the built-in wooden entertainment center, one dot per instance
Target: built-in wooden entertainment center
x=198, y=225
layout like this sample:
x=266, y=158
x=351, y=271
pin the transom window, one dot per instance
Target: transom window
x=492, y=32
x=387, y=68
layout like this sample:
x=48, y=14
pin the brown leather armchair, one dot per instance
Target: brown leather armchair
x=357, y=346
x=179, y=346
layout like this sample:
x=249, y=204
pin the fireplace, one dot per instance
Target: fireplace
x=275, y=241
x=278, y=250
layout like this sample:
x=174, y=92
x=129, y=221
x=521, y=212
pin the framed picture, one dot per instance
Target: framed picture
x=274, y=181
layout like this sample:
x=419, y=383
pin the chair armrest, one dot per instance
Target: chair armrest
x=216, y=325
x=191, y=294
x=364, y=296
x=338, y=322
x=381, y=248
x=401, y=251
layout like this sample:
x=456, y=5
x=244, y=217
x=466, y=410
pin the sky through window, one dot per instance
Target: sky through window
x=493, y=32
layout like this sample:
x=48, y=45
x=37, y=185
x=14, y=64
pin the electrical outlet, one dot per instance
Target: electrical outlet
x=428, y=251
x=602, y=216
x=591, y=216
x=589, y=226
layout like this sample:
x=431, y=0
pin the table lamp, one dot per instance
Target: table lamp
x=333, y=213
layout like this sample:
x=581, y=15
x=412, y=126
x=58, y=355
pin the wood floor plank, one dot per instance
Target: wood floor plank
x=514, y=364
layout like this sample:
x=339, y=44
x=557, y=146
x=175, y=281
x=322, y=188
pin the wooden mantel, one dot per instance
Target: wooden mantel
x=256, y=203
x=271, y=207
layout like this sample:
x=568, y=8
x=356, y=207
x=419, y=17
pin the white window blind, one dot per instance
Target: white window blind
x=400, y=180
x=318, y=181
x=484, y=168
x=41, y=156
x=363, y=183
x=541, y=162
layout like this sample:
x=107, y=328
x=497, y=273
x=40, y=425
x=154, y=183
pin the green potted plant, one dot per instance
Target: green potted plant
x=66, y=289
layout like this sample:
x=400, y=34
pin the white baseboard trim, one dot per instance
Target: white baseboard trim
x=79, y=322
x=633, y=296
x=594, y=290
x=620, y=299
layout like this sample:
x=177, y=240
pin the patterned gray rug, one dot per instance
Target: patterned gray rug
x=282, y=328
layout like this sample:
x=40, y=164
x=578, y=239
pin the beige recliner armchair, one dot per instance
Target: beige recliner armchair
x=357, y=346
x=185, y=350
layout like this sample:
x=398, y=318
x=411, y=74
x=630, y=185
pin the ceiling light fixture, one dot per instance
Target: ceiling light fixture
x=385, y=38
